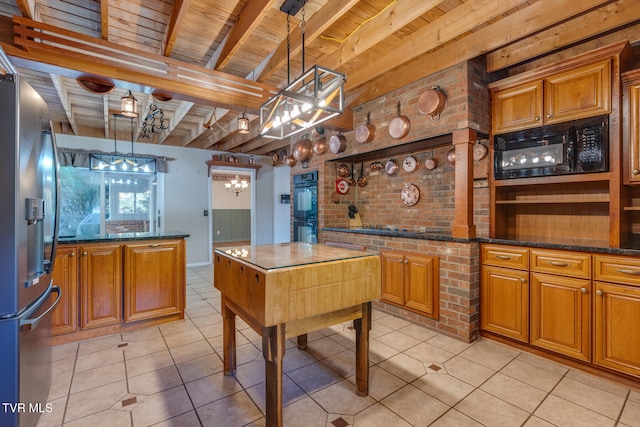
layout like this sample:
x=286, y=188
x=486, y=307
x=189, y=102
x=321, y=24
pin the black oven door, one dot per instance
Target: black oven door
x=305, y=230
x=305, y=201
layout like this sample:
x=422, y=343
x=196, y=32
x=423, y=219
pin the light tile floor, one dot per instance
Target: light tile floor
x=171, y=375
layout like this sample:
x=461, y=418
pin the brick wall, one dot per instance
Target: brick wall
x=135, y=226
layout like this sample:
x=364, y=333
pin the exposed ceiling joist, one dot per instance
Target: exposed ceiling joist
x=58, y=83
x=176, y=21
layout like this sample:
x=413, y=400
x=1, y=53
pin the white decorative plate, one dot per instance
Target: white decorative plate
x=410, y=194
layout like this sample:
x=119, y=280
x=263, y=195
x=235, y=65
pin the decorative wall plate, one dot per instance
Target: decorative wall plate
x=391, y=168
x=342, y=186
x=480, y=151
x=410, y=194
x=409, y=164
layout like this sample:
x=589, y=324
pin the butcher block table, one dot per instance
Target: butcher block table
x=287, y=290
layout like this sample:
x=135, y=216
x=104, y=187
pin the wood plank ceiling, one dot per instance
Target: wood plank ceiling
x=173, y=54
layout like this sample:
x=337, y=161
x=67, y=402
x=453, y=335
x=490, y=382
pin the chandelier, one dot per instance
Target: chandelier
x=154, y=122
x=116, y=162
x=314, y=97
x=237, y=185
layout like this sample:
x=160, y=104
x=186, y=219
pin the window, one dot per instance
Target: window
x=107, y=202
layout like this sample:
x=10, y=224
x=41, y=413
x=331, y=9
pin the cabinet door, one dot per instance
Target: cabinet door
x=517, y=108
x=392, y=277
x=583, y=92
x=154, y=279
x=64, y=318
x=616, y=317
x=100, y=285
x=504, y=303
x=634, y=130
x=561, y=314
x=421, y=284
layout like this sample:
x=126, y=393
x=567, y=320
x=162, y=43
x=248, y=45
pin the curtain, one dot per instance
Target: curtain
x=80, y=158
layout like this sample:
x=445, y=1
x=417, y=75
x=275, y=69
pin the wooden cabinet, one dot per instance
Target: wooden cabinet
x=100, y=285
x=504, y=293
x=65, y=274
x=581, y=92
x=412, y=281
x=631, y=133
x=617, y=313
x=153, y=280
x=561, y=302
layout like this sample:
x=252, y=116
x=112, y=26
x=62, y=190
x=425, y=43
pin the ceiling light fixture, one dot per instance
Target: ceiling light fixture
x=314, y=97
x=243, y=124
x=154, y=122
x=129, y=105
x=120, y=162
x=237, y=185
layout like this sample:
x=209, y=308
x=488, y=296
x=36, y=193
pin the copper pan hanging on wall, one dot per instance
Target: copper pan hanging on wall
x=432, y=102
x=366, y=132
x=399, y=126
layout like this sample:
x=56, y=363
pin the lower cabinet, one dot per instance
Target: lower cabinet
x=577, y=304
x=411, y=281
x=104, y=284
x=152, y=282
x=100, y=285
x=64, y=318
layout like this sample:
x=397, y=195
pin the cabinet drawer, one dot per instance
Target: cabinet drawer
x=505, y=256
x=560, y=262
x=617, y=269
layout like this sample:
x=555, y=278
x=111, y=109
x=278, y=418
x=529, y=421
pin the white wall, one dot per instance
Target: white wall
x=187, y=192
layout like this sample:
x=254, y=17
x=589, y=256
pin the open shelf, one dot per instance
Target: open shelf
x=554, y=180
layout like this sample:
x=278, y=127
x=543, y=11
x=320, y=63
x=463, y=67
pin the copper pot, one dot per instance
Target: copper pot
x=451, y=156
x=344, y=171
x=367, y=132
x=399, y=126
x=302, y=150
x=362, y=180
x=319, y=145
x=337, y=143
x=432, y=102
x=290, y=161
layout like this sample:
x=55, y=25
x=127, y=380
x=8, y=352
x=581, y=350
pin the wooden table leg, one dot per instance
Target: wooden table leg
x=273, y=341
x=362, y=327
x=302, y=342
x=228, y=339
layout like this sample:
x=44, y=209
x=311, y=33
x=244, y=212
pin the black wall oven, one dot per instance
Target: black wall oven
x=305, y=207
x=579, y=146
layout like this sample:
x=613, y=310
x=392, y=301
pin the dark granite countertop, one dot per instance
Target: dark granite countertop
x=121, y=237
x=445, y=236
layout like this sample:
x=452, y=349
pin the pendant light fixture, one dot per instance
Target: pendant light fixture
x=129, y=105
x=314, y=97
x=243, y=124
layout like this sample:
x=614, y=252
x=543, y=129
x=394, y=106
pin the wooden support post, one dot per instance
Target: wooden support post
x=273, y=341
x=228, y=338
x=463, y=141
x=302, y=342
x=362, y=327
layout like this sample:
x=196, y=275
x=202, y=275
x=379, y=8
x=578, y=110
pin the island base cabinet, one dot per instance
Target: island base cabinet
x=64, y=318
x=504, y=306
x=561, y=315
x=154, y=279
x=616, y=315
x=100, y=285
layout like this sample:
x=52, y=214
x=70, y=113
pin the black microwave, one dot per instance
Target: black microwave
x=578, y=146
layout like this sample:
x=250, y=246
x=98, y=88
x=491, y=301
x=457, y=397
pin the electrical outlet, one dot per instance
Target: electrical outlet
x=206, y=212
x=218, y=232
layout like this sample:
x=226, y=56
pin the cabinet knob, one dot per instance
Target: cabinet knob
x=629, y=272
x=583, y=290
x=636, y=171
x=549, y=116
x=72, y=254
x=406, y=261
x=523, y=280
x=154, y=245
x=559, y=264
x=84, y=253
x=536, y=118
x=599, y=292
x=504, y=257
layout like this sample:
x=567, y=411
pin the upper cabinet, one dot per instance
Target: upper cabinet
x=581, y=92
x=631, y=94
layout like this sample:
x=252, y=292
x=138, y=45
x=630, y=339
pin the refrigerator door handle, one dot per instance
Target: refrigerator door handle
x=48, y=264
x=30, y=324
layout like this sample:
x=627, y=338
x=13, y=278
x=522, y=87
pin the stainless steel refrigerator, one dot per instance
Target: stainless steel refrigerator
x=29, y=220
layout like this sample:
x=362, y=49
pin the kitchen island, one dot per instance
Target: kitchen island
x=116, y=282
x=287, y=290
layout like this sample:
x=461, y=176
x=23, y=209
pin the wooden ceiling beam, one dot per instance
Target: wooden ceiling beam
x=318, y=23
x=459, y=21
x=599, y=21
x=27, y=8
x=104, y=20
x=529, y=20
x=58, y=83
x=251, y=16
x=176, y=20
x=179, y=114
